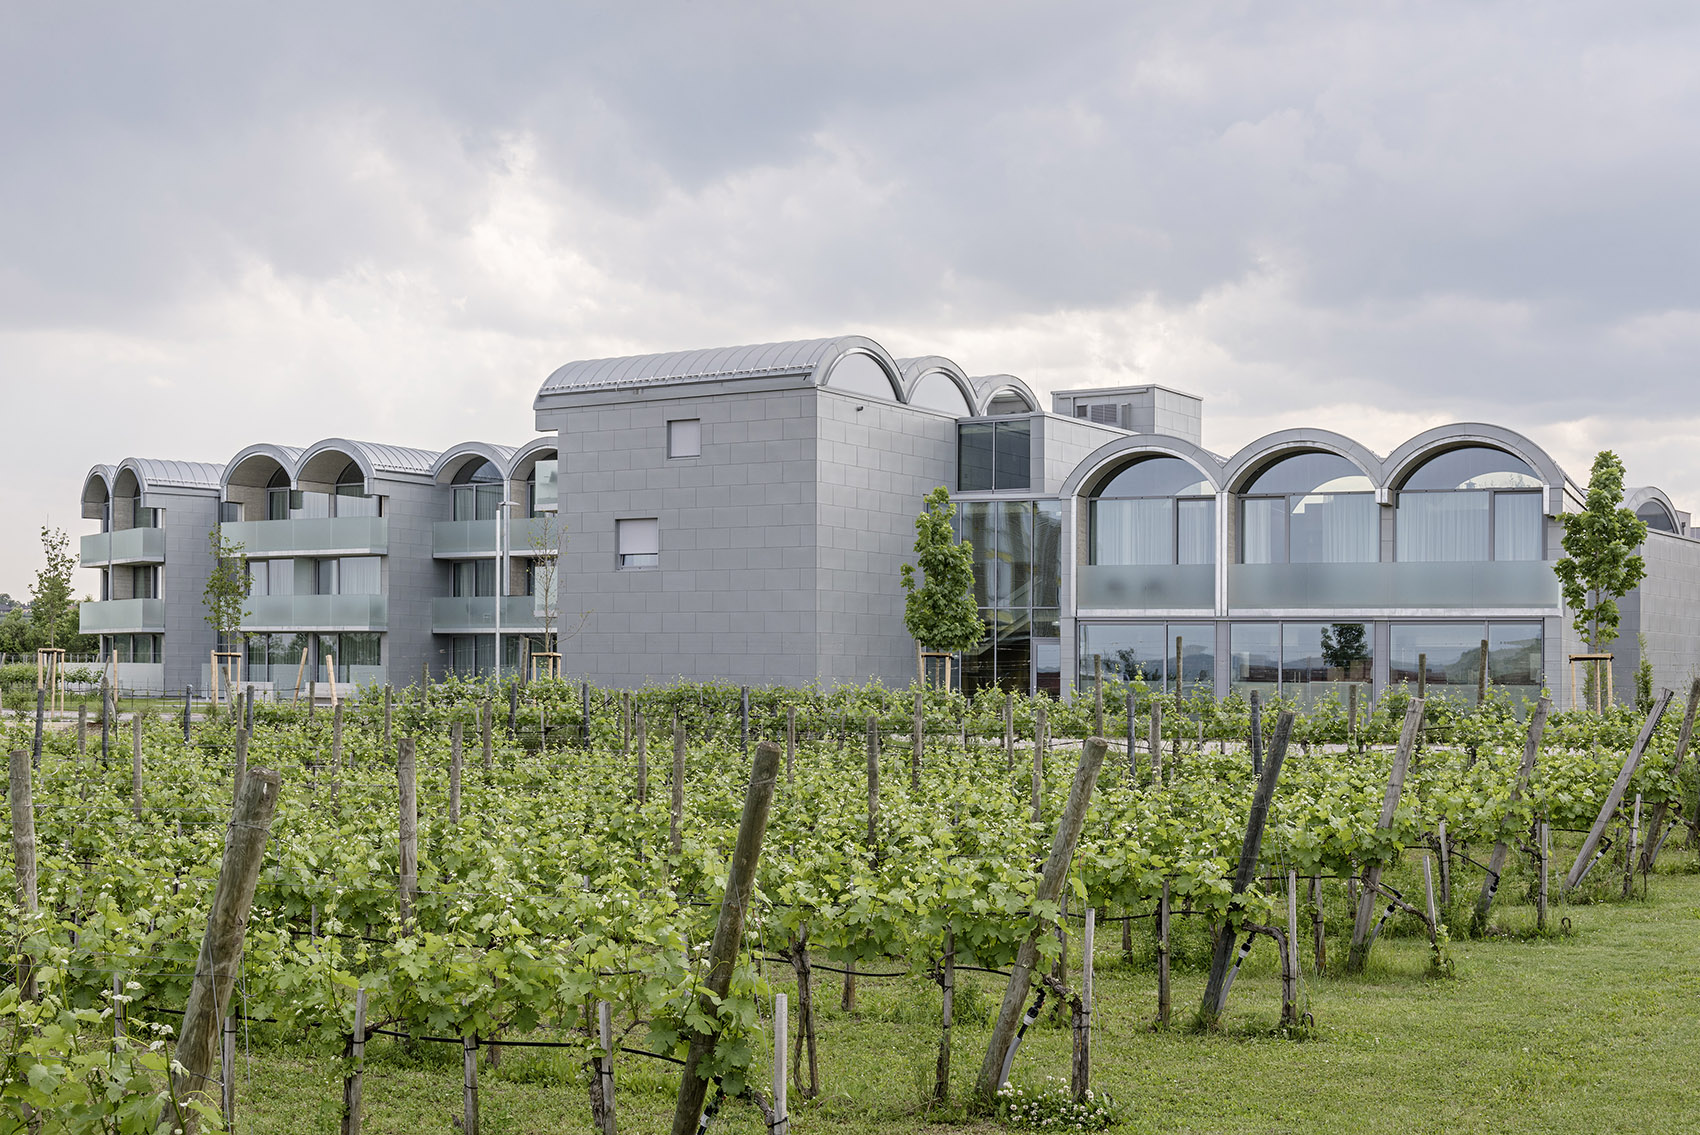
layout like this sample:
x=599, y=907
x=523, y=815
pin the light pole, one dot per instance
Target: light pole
x=501, y=575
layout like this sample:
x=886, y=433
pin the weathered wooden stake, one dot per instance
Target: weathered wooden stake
x=790, y=742
x=1290, y=954
x=1215, y=988
x=1049, y=889
x=1318, y=931
x=1008, y=732
x=1433, y=913
x=1255, y=742
x=1097, y=695
x=1041, y=742
x=351, y=1086
x=1165, y=1003
x=781, y=1032
x=1080, y=1076
x=486, y=726
x=1445, y=863
x=136, y=764
x=1656, y=822
x=227, y=1071
x=1629, y=852
x=1543, y=836
x=454, y=773
x=1584, y=857
x=22, y=801
x=947, y=983
x=602, y=1091
x=389, y=705
x=469, y=1084
x=82, y=729
x=1367, y=894
x=674, y=845
x=1132, y=739
x=1502, y=849
x=641, y=735
x=240, y=765
x=728, y=932
x=221, y=947
x=408, y=830
x=1155, y=741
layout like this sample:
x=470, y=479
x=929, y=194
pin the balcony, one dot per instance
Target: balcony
x=128, y=546
x=477, y=615
x=477, y=539
x=121, y=616
x=315, y=536
x=1147, y=587
x=1514, y=584
x=316, y=612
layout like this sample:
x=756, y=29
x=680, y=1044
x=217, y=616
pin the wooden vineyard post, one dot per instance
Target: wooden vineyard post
x=1040, y=744
x=918, y=750
x=728, y=931
x=873, y=783
x=1008, y=732
x=1502, y=849
x=1352, y=717
x=108, y=711
x=1629, y=852
x=1359, y=952
x=40, y=721
x=408, y=828
x=136, y=764
x=1155, y=740
x=781, y=1031
x=1422, y=676
x=1543, y=837
x=1215, y=988
x=947, y=983
x=221, y=947
x=227, y=1071
x=1433, y=913
x=1097, y=695
x=641, y=735
x=469, y=1084
x=454, y=773
x=1584, y=858
x=1051, y=881
x=1080, y=1071
x=602, y=1083
x=1318, y=929
x=805, y=1017
x=1290, y=954
x=674, y=846
x=486, y=725
x=21, y=799
x=744, y=720
x=1164, y=1001
x=1445, y=863
x=82, y=729
x=1482, y=676
x=188, y=692
x=1255, y=736
x=1132, y=738
x=1656, y=822
x=790, y=742
x=313, y=693
x=351, y=1086
x=240, y=767
x=389, y=706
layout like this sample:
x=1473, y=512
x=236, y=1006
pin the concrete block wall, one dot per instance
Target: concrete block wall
x=1059, y=446
x=1666, y=609
x=189, y=639
x=877, y=461
x=412, y=578
x=733, y=597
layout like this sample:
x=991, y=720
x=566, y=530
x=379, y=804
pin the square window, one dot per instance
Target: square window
x=637, y=543
x=684, y=438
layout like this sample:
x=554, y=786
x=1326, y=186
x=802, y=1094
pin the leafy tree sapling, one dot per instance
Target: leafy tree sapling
x=1600, y=563
x=939, y=609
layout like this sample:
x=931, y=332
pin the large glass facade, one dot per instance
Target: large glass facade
x=1310, y=508
x=277, y=658
x=1302, y=661
x=1451, y=656
x=1017, y=584
x=1162, y=654
x=1471, y=504
x=1158, y=510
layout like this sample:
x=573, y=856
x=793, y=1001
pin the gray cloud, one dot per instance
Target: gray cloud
x=221, y=223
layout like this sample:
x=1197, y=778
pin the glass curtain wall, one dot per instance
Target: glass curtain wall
x=1017, y=584
x=1310, y=508
x=1158, y=511
x=1471, y=505
x=1451, y=655
x=994, y=455
x=1161, y=654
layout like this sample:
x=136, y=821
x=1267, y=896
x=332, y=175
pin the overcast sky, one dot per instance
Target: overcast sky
x=223, y=224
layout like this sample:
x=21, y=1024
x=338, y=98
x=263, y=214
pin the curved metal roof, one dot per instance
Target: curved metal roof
x=798, y=357
x=987, y=387
x=501, y=456
x=153, y=474
x=373, y=457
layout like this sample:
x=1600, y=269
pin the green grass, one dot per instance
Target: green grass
x=1591, y=1031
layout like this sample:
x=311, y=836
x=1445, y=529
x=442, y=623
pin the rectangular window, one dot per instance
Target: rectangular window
x=1334, y=528
x=994, y=455
x=271, y=577
x=1517, y=526
x=1196, y=532
x=684, y=438
x=1133, y=531
x=1316, y=655
x=477, y=502
x=324, y=577
x=475, y=578
x=1449, y=527
x=229, y=512
x=121, y=647
x=144, y=582
x=360, y=575
x=277, y=504
x=545, y=492
x=974, y=456
x=1254, y=657
x=638, y=543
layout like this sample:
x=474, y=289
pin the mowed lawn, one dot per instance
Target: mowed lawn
x=1593, y=1031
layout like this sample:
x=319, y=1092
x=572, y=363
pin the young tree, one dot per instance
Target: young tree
x=939, y=610
x=51, y=605
x=1600, y=562
x=226, y=592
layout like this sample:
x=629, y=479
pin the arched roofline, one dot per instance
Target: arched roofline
x=449, y=461
x=101, y=475
x=1403, y=461
x=1253, y=457
x=1121, y=450
x=990, y=386
x=153, y=475
x=1634, y=498
x=531, y=452
x=916, y=370
x=286, y=457
x=846, y=345
x=353, y=450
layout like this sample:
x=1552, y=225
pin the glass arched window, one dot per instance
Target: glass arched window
x=1159, y=510
x=936, y=392
x=1310, y=508
x=277, y=496
x=542, y=492
x=350, y=491
x=1656, y=516
x=860, y=374
x=477, y=491
x=1471, y=504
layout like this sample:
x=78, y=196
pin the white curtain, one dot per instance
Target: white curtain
x=1517, y=526
x=1133, y=531
x=1334, y=528
x=1443, y=526
x=1263, y=530
x=1197, y=532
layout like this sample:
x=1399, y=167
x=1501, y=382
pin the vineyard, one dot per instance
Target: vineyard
x=712, y=877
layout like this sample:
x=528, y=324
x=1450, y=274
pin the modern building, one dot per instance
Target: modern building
x=742, y=513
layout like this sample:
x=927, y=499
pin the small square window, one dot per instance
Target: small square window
x=684, y=438
x=637, y=543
